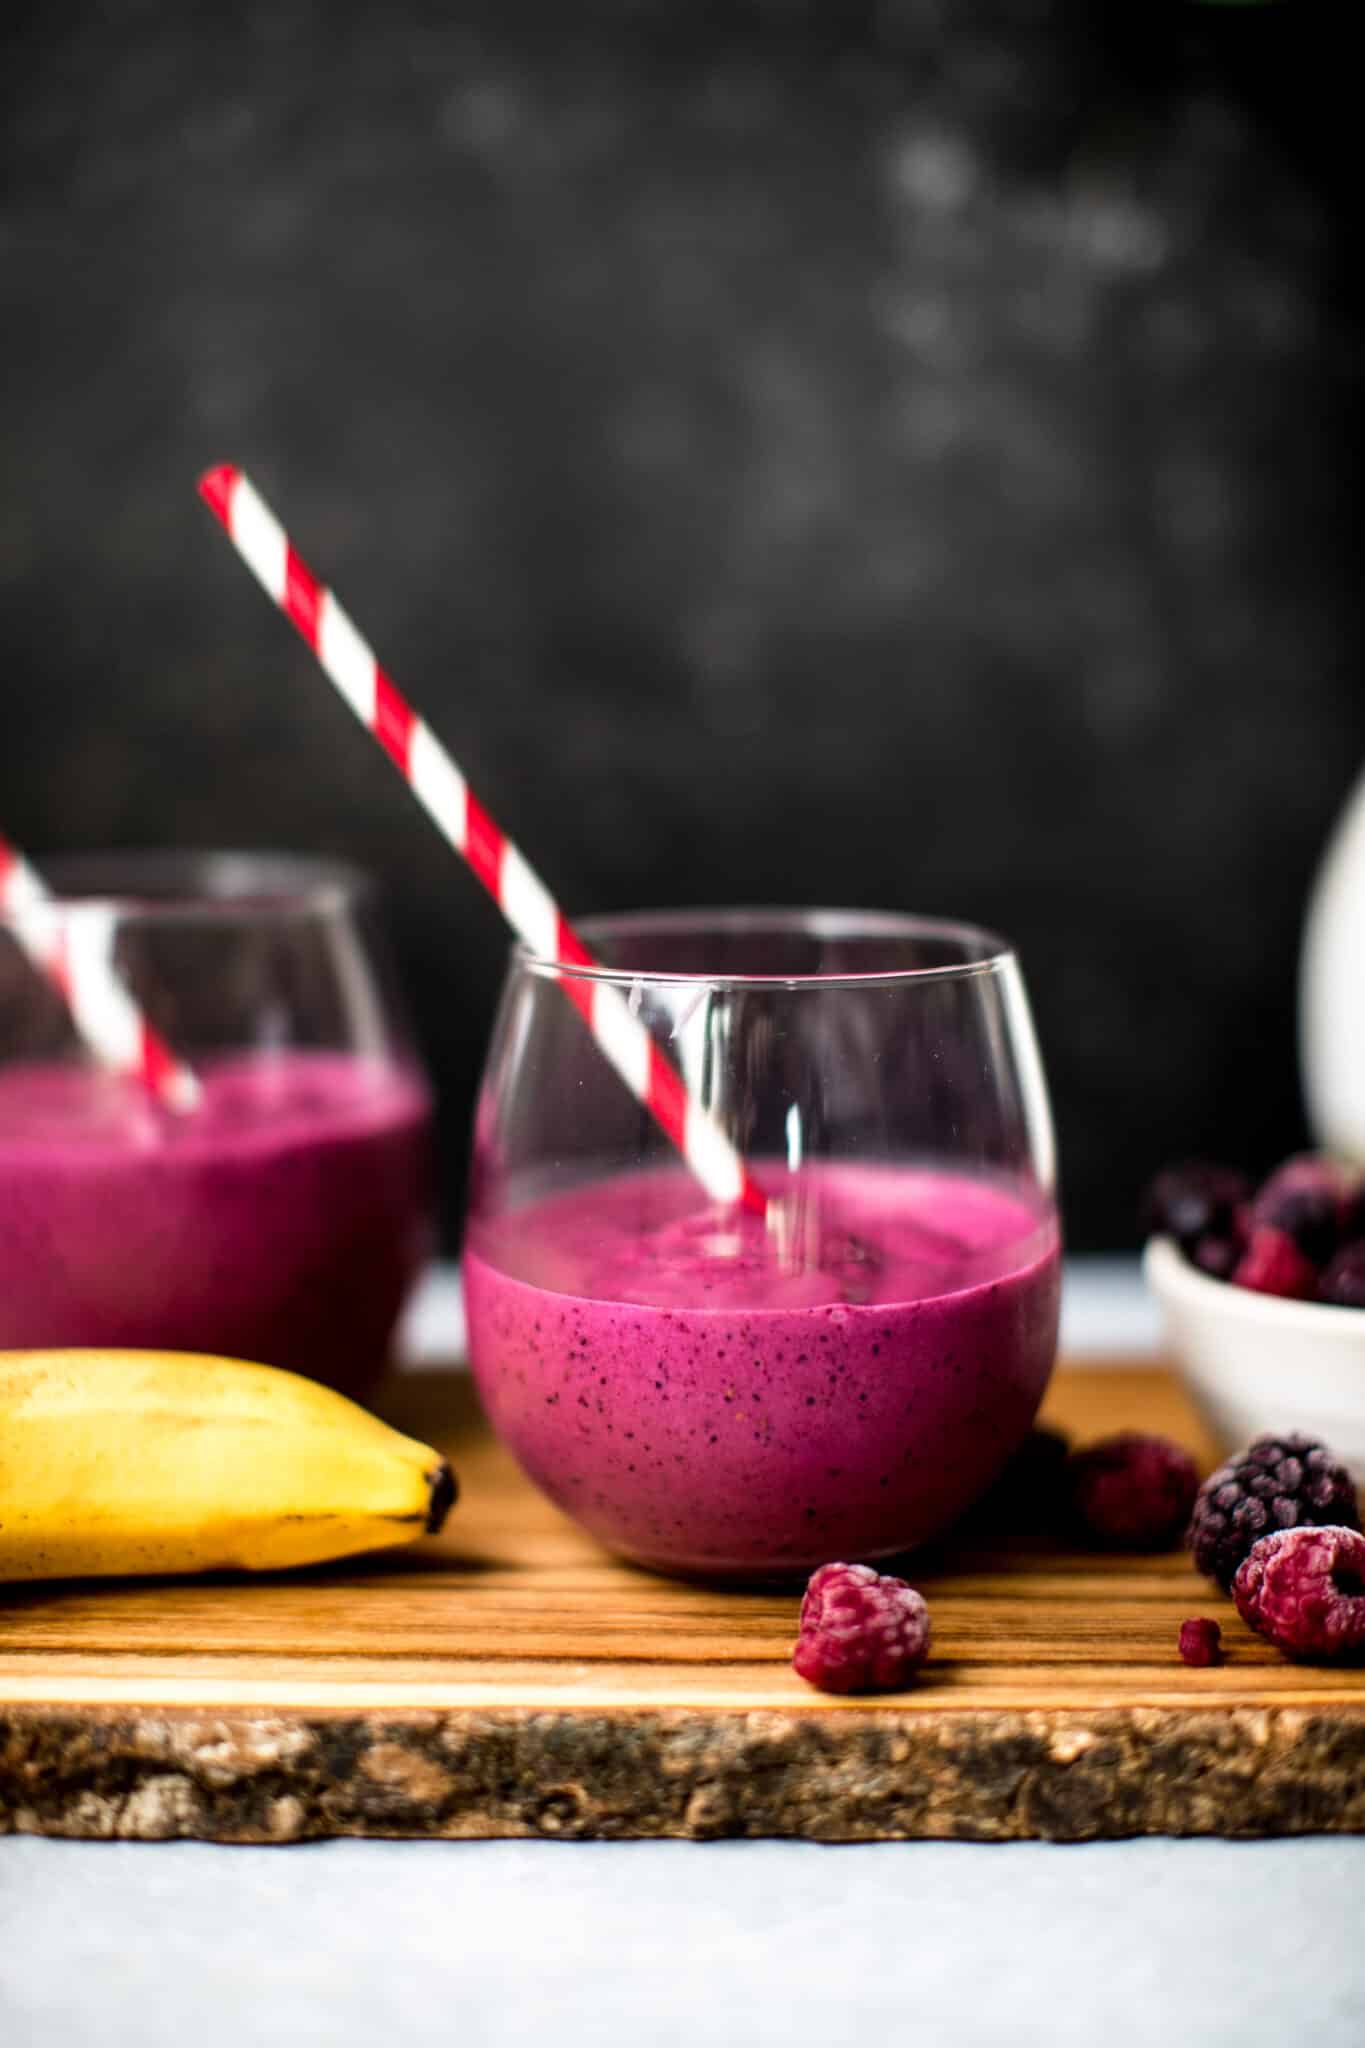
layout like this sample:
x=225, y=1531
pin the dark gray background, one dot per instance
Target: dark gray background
x=899, y=455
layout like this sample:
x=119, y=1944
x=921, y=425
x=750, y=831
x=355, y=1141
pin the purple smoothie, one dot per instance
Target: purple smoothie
x=283, y=1220
x=709, y=1400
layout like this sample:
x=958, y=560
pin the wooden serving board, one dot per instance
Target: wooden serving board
x=512, y=1679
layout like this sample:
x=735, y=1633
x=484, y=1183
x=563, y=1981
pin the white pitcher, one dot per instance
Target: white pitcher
x=1332, y=989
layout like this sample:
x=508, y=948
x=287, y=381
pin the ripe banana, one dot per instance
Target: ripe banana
x=158, y=1461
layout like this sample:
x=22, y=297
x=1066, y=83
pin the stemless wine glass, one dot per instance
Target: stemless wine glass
x=714, y=1392
x=285, y=1216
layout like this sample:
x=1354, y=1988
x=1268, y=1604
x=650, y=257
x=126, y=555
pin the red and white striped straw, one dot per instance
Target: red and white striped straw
x=441, y=789
x=76, y=951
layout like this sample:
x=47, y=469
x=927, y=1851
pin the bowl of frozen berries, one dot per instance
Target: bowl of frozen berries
x=1262, y=1287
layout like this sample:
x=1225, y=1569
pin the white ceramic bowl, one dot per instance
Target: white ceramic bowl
x=1254, y=1362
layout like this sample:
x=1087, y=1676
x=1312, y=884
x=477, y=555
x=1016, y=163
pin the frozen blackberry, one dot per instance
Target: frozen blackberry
x=1219, y=1257
x=1201, y=1641
x=1274, y=1264
x=1343, y=1283
x=1030, y=1491
x=1313, y=1200
x=1198, y=1199
x=860, y=1632
x=1132, y=1491
x=1278, y=1482
x=1304, y=1591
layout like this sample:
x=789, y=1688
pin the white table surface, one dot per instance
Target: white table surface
x=343, y=1944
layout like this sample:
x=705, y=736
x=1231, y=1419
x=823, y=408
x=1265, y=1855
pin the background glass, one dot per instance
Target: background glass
x=286, y=1217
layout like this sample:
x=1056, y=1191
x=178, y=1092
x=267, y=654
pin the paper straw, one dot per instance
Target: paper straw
x=77, y=953
x=441, y=789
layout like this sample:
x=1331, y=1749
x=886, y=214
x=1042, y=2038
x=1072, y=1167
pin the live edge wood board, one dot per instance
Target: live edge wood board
x=511, y=1679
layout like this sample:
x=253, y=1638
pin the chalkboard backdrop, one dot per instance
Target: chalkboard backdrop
x=898, y=455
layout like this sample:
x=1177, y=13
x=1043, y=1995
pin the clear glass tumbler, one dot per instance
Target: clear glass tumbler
x=713, y=1392
x=286, y=1215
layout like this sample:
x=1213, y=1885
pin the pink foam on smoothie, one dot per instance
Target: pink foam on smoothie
x=711, y=1396
x=284, y=1220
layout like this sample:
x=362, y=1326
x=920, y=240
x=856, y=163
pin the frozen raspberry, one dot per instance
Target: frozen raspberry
x=1344, y=1281
x=1133, y=1491
x=860, y=1632
x=1195, y=1200
x=1273, y=1264
x=1313, y=1200
x=1277, y=1482
x=1304, y=1591
x=1200, y=1641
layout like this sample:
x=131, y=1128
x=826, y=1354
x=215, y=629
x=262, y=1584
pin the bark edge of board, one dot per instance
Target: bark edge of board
x=277, y=1777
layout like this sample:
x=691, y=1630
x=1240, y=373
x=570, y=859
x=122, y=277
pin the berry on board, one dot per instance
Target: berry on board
x=1201, y=1641
x=1132, y=1491
x=860, y=1631
x=1304, y=1591
x=1030, y=1492
x=1277, y=1482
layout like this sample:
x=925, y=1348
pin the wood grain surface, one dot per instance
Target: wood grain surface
x=511, y=1678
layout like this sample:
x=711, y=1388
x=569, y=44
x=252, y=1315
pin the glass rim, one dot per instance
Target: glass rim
x=183, y=885
x=985, y=952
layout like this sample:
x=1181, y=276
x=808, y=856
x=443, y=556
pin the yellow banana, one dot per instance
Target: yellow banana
x=159, y=1461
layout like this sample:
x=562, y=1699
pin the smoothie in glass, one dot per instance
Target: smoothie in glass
x=702, y=1399
x=284, y=1220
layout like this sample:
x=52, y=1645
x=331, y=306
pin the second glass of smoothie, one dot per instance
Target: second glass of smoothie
x=722, y=1394
x=286, y=1215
